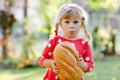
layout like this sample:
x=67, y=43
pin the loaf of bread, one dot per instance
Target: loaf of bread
x=66, y=58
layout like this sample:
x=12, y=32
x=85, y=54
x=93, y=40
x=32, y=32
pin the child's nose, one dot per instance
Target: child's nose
x=71, y=25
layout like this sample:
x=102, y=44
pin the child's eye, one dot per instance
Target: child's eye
x=76, y=22
x=66, y=21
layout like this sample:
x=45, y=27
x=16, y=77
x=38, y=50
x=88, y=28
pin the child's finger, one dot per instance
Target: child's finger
x=80, y=58
x=55, y=69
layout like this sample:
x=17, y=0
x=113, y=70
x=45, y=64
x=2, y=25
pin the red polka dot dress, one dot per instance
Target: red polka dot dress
x=82, y=47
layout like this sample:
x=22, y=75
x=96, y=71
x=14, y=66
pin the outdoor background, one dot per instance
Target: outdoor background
x=26, y=25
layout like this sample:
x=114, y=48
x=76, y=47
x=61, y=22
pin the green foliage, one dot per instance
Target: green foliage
x=96, y=38
x=109, y=5
x=34, y=73
x=28, y=57
x=27, y=39
x=3, y=18
x=104, y=40
x=47, y=11
x=104, y=70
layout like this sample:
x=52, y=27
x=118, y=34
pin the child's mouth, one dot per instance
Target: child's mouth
x=71, y=30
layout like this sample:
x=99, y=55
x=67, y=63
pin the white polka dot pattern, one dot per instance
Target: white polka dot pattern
x=91, y=69
x=46, y=79
x=83, y=42
x=87, y=58
x=50, y=53
x=56, y=77
x=49, y=44
x=59, y=40
x=41, y=57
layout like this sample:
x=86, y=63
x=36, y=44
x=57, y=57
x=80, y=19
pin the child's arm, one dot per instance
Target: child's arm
x=87, y=60
x=46, y=60
x=82, y=64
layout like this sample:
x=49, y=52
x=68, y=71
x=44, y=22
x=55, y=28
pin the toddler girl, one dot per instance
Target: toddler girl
x=70, y=18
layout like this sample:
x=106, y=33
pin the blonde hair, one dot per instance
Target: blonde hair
x=72, y=10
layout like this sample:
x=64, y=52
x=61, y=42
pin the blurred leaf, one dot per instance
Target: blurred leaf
x=47, y=11
x=110, y=5
x=114, y=78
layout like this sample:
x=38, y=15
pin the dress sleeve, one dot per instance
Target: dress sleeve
x=47, y=52
x=88, y=58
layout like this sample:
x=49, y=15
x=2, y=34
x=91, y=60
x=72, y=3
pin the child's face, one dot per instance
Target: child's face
x=70, y=27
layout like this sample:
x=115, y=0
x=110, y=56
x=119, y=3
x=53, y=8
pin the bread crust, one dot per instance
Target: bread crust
x=66, y=59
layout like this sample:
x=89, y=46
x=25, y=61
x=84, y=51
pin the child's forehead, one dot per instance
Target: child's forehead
x=71, y=19
x=71, y=14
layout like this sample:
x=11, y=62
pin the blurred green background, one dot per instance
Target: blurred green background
x=26, y=25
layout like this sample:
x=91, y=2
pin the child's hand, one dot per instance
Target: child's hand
x=82, y=64
x=54, y=67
